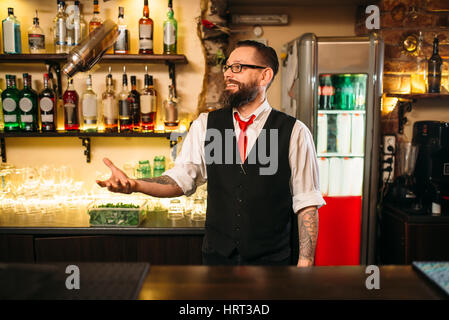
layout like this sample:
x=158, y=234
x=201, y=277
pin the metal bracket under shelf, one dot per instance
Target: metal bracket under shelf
x=3, y=149
x=86, y=144
x=403, y=107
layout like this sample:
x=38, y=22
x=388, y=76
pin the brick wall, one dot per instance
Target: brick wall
x=399, y=18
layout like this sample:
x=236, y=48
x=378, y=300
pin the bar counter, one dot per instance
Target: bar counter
x=271, y=283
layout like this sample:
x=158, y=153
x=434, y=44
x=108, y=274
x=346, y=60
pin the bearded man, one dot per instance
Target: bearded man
x=250, y=212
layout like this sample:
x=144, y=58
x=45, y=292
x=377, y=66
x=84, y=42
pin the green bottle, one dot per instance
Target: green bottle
x=170, y=31
x=28, y=106
x=10, y=103
x=2, y=123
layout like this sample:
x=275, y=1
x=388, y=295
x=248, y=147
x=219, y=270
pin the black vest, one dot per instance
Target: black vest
x=248, y=211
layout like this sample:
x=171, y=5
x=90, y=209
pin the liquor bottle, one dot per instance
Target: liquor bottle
x=12, y=41
x=47, y=106
x=110, y=108
x=347, y=93
x=170, y=31
x=146, y=31
x=418, y=78
x=89, y=107
x=60, y=29
x=96, y=20
x=124, y=108
x=70, y=100
x=148, y=104
x=326, y=92
x=2, y=123
x=36, y=37
x=134, y=101
x=434, y=69
x=79, y=25
x=10, y=103
x=121, y=46
x=28, y=106
x=171, y=121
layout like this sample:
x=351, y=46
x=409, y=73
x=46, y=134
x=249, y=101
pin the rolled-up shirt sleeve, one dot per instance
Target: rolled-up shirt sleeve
x=189, y=171
x=304, y=181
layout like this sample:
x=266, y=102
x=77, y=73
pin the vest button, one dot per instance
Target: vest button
x=240, y=200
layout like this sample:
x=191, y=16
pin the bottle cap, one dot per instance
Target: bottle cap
x=121, y=12
x=10, y=11
x=148, y=80
x=133, y=80
x=125, y=79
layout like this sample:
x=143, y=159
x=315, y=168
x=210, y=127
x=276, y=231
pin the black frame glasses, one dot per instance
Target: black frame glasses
x=237, y=67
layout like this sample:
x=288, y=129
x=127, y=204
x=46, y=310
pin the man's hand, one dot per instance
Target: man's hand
x=119, y=181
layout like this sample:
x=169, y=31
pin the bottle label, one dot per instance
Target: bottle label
x=26, y=118
x=9, y=45
x=436, y=209
x=110, y=110
x=169, y=34
x=9, y=105
x=70, y=113
x=46, y=104
x=147, y=104
x=36, y=41
x=89, y=106
x=122, y=43
x=146, y=36
x=327, y=91
x=47, y=118
x=10, y=118
x=25, y=104
x=60, y=34
x=123, y=108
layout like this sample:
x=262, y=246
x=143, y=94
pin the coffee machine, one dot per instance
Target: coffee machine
x=432, y=165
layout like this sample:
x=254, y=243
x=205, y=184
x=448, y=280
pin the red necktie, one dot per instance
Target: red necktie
x=243, y=139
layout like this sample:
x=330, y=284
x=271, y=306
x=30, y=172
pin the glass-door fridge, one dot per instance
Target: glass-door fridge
x=333, y=85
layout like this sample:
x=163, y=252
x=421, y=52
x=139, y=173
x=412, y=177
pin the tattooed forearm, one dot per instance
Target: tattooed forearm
x=308, y=233
x=161, y=180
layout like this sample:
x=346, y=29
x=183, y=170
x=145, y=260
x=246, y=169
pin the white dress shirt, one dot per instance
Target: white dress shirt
x=190, y=165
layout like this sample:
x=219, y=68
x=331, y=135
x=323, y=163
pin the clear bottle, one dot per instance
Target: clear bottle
x=36, y=37
x=171, y=120
x=121, y=46
x=110, y=107
x=28, y=105
x=12, y=41
x=170, y=31
x=419, y=77
x=47, y=106
x=89, y=107
x=10, y=104
x=96, y=20
x=79, y=25
x=124, y=108
x=148, y=103
x=134, y=101
x=60, y=29
x=71, y=108
x=146, y=31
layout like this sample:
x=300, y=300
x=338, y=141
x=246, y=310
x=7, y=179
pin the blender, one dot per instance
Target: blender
x=403, y=190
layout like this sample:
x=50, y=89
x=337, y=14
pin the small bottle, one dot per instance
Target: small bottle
x=124, y=108
x=89, y=107
x=170, y=31
x=171, y=121
x=134, y=101
x=36, y=37
x=12, y=41
x=71, y=109
x=28, y=104
x=148, y=104
x=434, y=69
x=79, y=25
x=146, y=31
x=96, y=20
x=121, y=46
x=10, y=104
x=60, y=29
x=110, y=108
x=47, y=106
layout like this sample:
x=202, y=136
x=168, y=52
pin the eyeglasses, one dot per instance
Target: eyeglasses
x=237, y=67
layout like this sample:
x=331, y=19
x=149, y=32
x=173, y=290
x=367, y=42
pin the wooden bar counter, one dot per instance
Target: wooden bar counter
x=285, y=283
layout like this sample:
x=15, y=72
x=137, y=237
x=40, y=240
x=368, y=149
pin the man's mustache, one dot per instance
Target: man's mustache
x=233, y=82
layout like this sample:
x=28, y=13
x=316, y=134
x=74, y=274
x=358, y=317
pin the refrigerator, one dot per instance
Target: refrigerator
x=334, y=86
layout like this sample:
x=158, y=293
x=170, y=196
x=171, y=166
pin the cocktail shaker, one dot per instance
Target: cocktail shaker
x=84, y=56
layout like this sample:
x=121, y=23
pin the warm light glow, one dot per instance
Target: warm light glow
x=418, y=83
x=388, y=104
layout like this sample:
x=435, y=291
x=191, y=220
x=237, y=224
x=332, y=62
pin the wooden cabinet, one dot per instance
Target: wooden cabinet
x=16, y=248
x=406, y=238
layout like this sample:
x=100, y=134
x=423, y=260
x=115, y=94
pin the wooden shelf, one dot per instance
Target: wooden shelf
x=144, y=58
x=418, y=96
x=83, y=134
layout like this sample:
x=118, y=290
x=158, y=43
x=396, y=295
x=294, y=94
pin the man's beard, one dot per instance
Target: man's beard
x=244, y=95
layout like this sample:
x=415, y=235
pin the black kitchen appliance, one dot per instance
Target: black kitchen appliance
x=432, y=165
